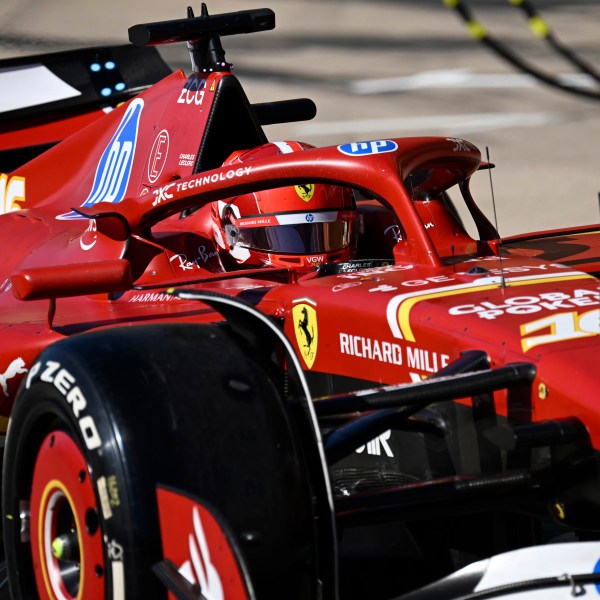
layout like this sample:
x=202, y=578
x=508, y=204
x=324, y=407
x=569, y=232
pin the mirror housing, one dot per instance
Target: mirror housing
x=62, y=281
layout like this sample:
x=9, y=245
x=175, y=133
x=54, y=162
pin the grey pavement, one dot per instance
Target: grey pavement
x=389, y=69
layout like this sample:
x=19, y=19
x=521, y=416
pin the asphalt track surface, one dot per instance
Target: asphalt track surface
x=379, y=69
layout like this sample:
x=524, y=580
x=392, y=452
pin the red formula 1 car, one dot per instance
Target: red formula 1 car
x=234, y=368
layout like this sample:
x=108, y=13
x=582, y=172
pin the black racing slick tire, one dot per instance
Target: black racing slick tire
x=103, y=419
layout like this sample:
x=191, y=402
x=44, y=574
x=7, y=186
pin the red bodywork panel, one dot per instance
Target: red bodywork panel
x=47, y=132
x=196, y=543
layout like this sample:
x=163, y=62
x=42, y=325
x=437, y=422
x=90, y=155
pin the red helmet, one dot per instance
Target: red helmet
x=297, y=226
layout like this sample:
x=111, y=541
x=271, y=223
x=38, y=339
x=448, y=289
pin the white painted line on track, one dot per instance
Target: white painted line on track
x=458, y=78
x=441, y=124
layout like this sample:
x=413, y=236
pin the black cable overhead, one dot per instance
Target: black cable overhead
x=478, y=32
x=541, y=28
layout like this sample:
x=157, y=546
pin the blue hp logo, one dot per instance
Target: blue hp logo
x=114, y=168
x=310, y=218
x=368, y=148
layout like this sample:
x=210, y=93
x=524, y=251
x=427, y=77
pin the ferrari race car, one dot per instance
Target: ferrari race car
x=234, y=368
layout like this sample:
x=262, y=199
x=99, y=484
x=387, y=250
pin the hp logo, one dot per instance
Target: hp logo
x=368, y=148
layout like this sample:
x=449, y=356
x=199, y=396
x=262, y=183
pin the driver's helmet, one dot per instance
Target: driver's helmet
x=299, y=226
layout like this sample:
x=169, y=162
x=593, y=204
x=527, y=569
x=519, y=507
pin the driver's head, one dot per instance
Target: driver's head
x=298, y=226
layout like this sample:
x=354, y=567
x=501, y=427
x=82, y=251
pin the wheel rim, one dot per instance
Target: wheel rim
x=66, y=539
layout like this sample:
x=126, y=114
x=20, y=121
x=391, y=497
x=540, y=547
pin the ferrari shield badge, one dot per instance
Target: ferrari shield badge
x=307, y=335
x=306, y=191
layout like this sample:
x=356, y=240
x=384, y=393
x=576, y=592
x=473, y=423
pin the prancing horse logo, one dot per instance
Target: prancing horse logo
x=15, y=368
x=305, y=320
x=306, y=191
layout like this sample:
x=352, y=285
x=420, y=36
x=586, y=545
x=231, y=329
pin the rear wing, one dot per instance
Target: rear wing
x=47, y=97
x=75, y=80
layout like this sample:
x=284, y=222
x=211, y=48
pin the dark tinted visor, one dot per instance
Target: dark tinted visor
x=302, y=238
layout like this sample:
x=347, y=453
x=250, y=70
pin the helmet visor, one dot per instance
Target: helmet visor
x=302, y=237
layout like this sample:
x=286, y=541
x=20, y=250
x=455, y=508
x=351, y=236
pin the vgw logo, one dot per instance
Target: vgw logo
x=114, y=168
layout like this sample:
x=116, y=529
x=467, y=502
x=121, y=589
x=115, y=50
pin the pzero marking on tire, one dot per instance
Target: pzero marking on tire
x=54, y=373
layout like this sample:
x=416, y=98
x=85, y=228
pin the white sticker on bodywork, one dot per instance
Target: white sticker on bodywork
x=32, y=85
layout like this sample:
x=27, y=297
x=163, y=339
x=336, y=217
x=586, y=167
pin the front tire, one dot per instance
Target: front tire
x=105, y=418
x=65, y=536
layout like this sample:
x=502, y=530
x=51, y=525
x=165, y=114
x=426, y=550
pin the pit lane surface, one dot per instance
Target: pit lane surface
x=387, y=69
